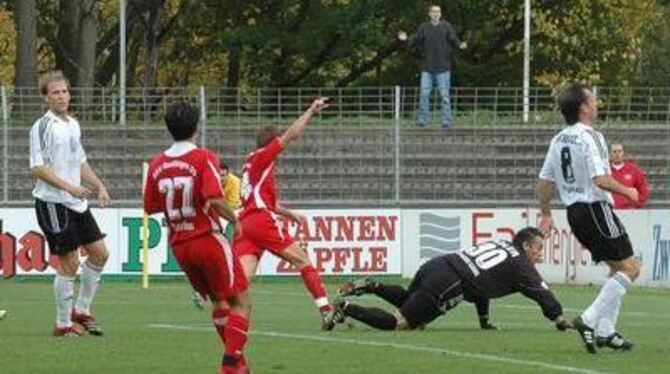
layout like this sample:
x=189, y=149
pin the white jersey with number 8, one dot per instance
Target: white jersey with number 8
x=576, y=155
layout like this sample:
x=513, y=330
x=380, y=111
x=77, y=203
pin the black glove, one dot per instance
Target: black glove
x=486, y=325
x=563, y=325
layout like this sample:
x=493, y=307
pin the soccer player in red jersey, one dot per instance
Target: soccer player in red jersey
x=263, y=230
x=183, y=182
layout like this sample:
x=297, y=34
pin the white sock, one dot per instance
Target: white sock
x=607, y=301
x=90, y=278
x=607, y=323
x=64, y=293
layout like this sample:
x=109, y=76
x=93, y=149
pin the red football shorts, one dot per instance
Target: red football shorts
x=211, y=266
x=262, y=230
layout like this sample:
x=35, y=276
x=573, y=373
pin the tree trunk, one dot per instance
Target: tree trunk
x=88, y=35
x=25, y=80
x=153, y=32
x=67, y=40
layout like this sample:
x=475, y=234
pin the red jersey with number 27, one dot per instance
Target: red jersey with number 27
x=258, y=179
x=181, y=187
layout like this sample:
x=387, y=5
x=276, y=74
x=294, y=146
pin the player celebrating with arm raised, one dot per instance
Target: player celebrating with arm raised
x=262, y=227
x=184, y=183
x=486, y=271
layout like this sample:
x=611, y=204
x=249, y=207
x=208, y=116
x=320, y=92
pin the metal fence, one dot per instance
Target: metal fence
x=364, y=149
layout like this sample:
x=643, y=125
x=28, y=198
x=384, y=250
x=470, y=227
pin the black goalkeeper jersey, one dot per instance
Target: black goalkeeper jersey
x=495, y=269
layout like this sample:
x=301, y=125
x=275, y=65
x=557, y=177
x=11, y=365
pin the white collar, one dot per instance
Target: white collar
x=180, y=148
x=57, y=118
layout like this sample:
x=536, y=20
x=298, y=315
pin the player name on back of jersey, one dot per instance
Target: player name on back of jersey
x=567, y=138
x=183, y=226
x=178, y=164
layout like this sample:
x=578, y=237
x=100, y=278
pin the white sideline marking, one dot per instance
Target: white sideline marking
x=407, y=347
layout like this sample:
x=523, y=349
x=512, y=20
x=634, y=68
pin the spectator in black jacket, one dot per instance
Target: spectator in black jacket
x=434, y=40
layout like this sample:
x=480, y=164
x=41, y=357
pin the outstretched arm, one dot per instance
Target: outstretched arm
x=482, y=306
x=299, y=125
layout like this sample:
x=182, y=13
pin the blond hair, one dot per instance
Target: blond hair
x=51, y=77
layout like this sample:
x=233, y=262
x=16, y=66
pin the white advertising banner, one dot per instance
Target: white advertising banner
x=657, y=254
x=358, y=241
x=346, y=242
x=428, y=233
x=355, y=241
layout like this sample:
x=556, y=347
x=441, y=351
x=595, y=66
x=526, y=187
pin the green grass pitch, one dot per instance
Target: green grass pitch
x=159, y=331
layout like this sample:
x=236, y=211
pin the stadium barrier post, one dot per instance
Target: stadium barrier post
x=5, y=144
x=203, y=116
x=396, y=116
x=145, y=232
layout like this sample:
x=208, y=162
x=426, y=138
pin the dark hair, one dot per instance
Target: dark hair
x=181, y=120
x=525, y=235
x=570, y=99
x=223, y=165
x=265, y=136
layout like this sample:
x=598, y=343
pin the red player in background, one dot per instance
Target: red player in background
x=629, y=174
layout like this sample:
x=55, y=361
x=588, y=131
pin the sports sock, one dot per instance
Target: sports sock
x=312, y=281
x=607, y=303
x=375, y=317
x=236, y=334
x=607, y=323
x=392, y=293
x=219, y=318
x=90, y=279
x=64, y=294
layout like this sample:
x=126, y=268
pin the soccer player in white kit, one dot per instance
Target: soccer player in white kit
x=577, y=163
x=58, y=162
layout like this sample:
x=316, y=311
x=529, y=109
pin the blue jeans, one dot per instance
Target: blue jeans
x=443, y=83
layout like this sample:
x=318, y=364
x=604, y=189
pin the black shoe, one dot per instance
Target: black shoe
x=615, y=341
x=587, y=334
x=357, y=288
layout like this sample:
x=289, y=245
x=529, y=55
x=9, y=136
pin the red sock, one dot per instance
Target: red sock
x=313, y=283
x=236, y=331
x=219, y=318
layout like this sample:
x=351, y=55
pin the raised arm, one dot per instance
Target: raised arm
x=299, y=125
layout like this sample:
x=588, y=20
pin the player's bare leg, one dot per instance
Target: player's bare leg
x=91, y=270
x=249, y=264
x=297, y=257
x=64, y=293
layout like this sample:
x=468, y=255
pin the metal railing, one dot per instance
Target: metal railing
x=364, y=149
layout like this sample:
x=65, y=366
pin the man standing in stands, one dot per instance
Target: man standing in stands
x=434, y=40
x=629, y=174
